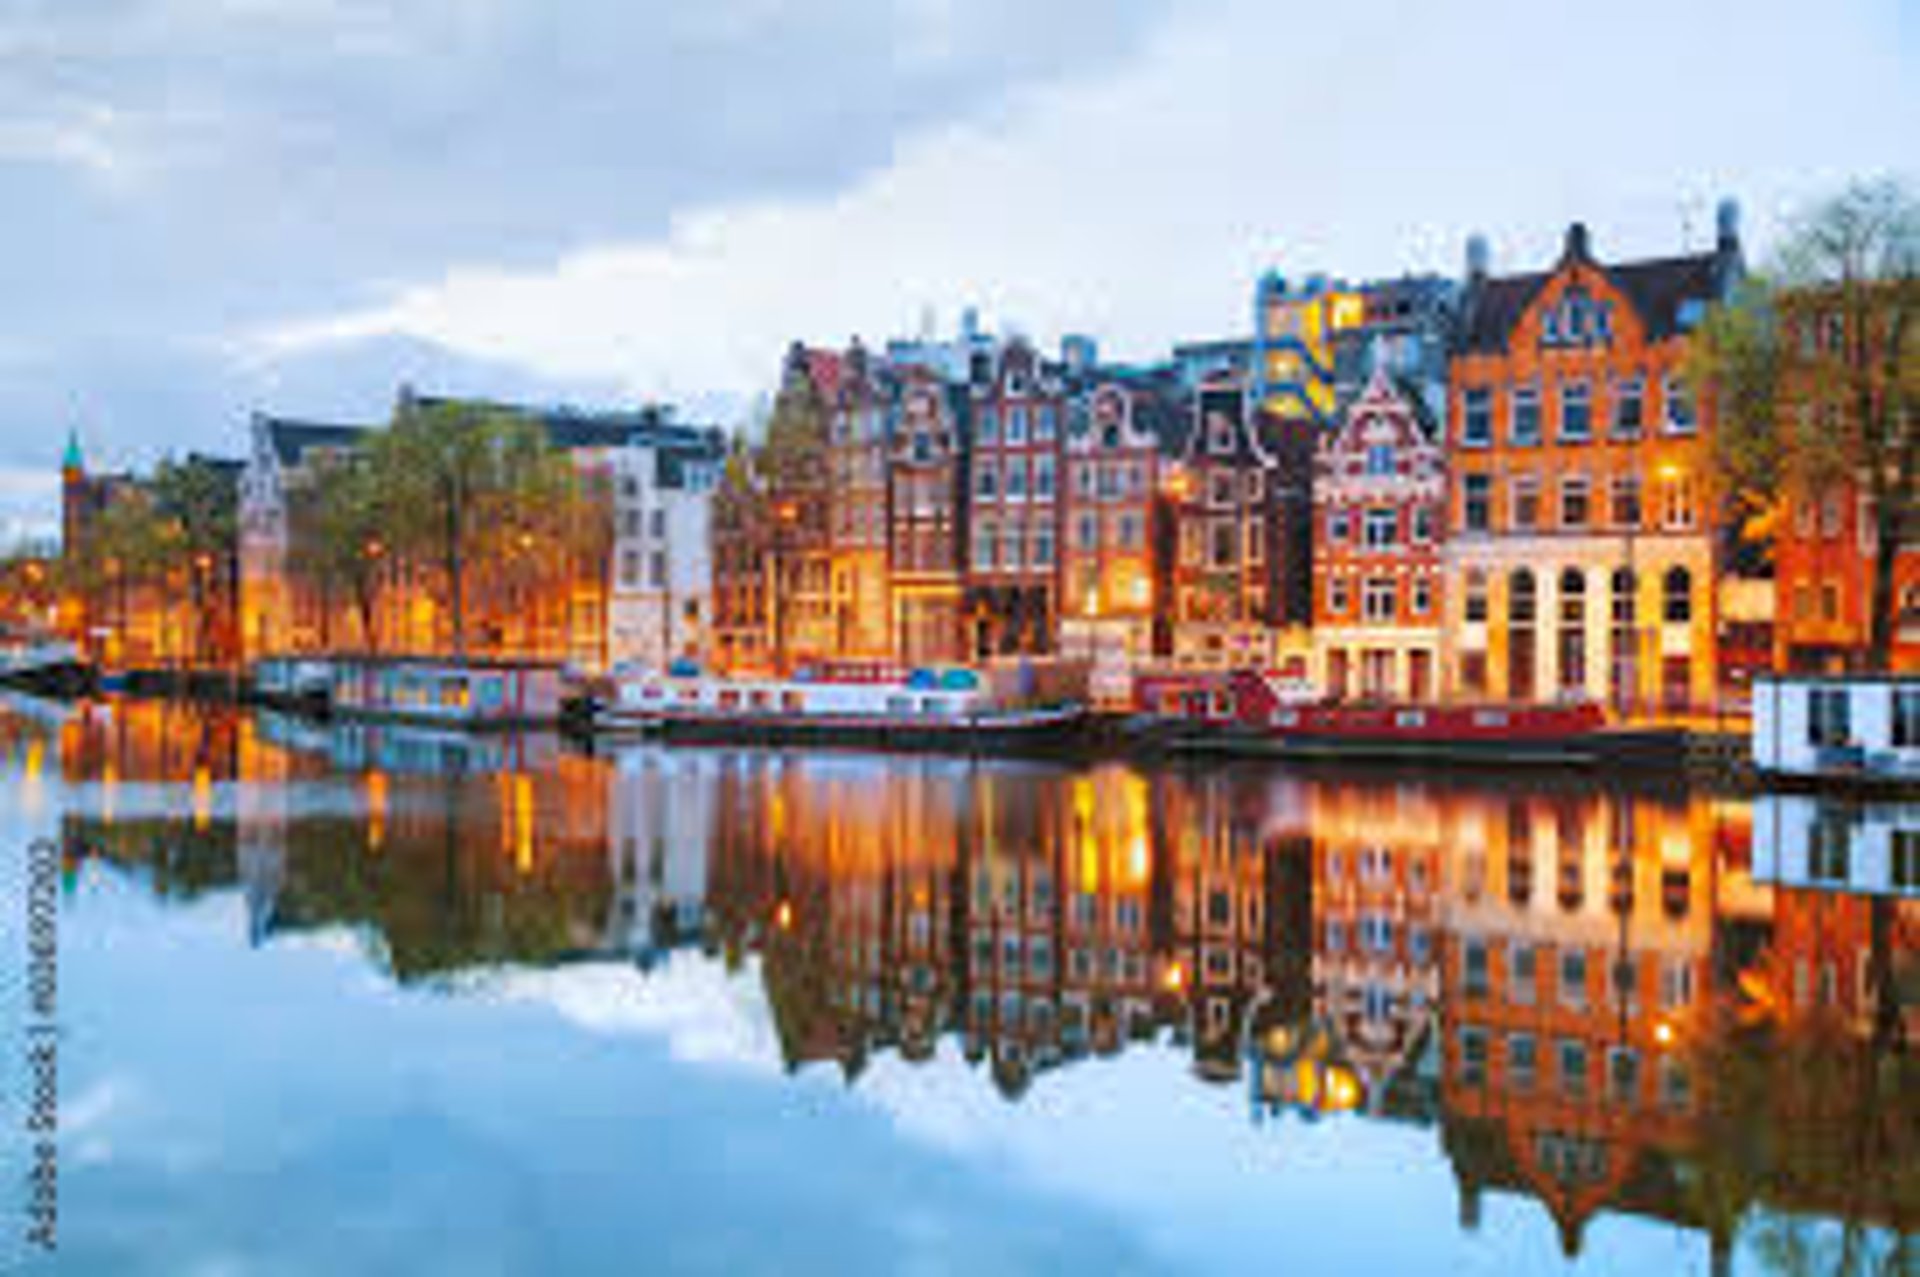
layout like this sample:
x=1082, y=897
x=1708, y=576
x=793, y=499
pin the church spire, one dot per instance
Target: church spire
x=73, y=460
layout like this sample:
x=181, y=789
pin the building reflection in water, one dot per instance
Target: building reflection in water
x=1660, y=1003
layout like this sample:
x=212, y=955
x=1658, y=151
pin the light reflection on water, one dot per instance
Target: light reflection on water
x=1037, y=1018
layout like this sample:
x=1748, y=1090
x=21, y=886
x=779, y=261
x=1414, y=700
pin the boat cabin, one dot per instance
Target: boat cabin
x=1856, y=727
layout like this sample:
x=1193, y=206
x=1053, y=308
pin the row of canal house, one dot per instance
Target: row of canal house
x=1411, y=488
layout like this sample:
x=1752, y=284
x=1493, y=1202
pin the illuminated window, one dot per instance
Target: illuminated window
x=1677, y=591
x=1474, y=607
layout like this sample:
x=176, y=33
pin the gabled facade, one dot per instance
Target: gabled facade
x=1119, y=429
x=860, y=440
x=1379, y=502
x=1581, y=557
x=1018, y=414
x=1223, y=493
x=927, y=461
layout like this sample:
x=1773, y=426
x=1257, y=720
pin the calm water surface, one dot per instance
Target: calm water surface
x=340, y=1001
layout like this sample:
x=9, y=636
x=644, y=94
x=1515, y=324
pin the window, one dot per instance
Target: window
x=1045, y=423
x=1524, y=984
x=1679, y=395
x=1523, y=604
x=1629, y=407
x=1017, y=424
x=986, y=480
x=1575, y=501
x=1422, y=595
x=989, y=426
x=1573, y=977
x=1676, y=501
x=1083, y=477
x=1523, y=1061
x=1380, y=460
x=1043, y=478
x=1677, y=593
x=1526, y=502
x=657, y=524
x=1625, y=500
x=1423, y=524
x=1573, y=1068
x=1016, y=479
x=1130, y=531
x=1906, y=718
x=1377, y=600
x=1382, y=528
x=1829, y=716
x=1475, y=605
x=1012, y=547
x=1043, y=546
x=1476, y=503
x=1473, y=1056
x=1830, y=847
x=985, y=544
x=1525, y=428
x=1576, y=412
x=1623, y=1073
x=1474, y=969
x=1086, y=532
x=1337, y=526
x=1255, y=486
x=1476, y=419
x=1906, y=859
x=1337, y=595
x=1219, y=435
x=1223, y=545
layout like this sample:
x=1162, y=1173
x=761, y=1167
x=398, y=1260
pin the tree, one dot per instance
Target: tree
x=195, y=505
x=1814, y=373
x=465, y=482
x=340, y=542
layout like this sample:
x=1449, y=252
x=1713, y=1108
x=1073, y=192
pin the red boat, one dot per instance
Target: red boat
x=1246, y=711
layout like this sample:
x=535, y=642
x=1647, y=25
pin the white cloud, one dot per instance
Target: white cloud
x=1360, y=139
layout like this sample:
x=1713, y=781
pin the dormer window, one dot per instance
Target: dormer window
x=1380, y=459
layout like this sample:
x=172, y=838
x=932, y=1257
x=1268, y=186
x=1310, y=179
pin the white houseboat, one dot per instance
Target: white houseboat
x=427, y=691
x=1858, y=729
x=924, y=708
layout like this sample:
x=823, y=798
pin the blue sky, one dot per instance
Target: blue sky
x=217, y=205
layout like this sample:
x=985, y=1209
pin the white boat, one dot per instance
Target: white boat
x=925, y=708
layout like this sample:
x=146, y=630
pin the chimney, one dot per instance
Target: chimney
x=1479, y=257
x=1577, y=241
x=1726, y=221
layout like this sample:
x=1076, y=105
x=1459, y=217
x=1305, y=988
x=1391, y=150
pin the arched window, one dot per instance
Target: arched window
x=1624, y=590
x=1522, y=601
x=1678, y=592
x=1573, y=596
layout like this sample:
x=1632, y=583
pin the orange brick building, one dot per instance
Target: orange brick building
x=1582, y=558
x=1379, y=506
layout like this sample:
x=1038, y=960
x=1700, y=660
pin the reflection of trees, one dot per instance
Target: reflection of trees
x=1805, y=1118
x=177, y=860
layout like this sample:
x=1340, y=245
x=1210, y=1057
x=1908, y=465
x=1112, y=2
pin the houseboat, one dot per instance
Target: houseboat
x=428, y=691
x=1252, y=712
x=1857, y=730
x=919, y=709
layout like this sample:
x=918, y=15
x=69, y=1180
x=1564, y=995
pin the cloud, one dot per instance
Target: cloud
x=188, y=169
x=1361, y=139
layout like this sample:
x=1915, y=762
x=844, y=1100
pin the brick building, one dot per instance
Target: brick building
x=1018, y=410
x=1379, y=503
x=1581, y=557
x=926, y=465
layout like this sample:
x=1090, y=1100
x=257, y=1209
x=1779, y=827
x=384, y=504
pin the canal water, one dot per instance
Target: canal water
x=340, y=1000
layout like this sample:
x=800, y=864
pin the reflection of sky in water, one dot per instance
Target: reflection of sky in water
x=287, y=1110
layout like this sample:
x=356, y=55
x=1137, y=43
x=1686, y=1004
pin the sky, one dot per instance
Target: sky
x=222, y=206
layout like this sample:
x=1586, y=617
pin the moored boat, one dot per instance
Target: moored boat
x=1246, y=711
x=918, y=709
